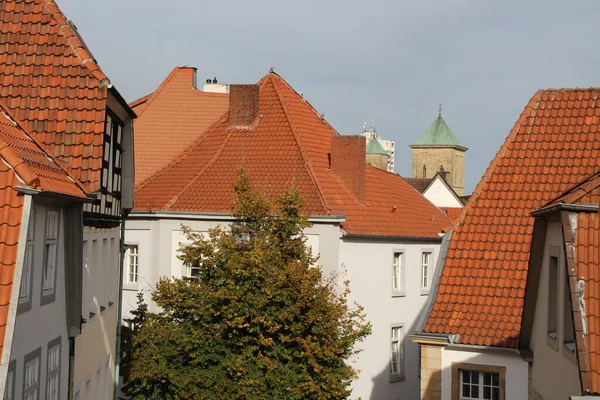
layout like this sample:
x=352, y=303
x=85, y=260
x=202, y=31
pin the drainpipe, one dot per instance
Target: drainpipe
x=120, y=307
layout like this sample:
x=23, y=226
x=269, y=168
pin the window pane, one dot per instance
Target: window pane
x=496, y=393
x=465, y=390
x=466, y=376
x=475, y=390
x=487, y=393
x=475, y=378
x=496, y=379
x=487, y=378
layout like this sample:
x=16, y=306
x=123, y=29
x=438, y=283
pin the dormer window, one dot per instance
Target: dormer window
x=111, y=171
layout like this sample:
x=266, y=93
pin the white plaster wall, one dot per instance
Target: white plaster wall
x=516, y=370
x=369, y=269
x=97, y=343
x=38, y=326
x=553, y=375
x=159, y=241
x=440, y=196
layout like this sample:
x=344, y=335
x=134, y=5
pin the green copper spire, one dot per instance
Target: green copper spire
x=438, y=134
x=374, y=147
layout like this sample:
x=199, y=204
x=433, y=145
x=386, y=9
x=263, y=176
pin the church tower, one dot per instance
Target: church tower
x=438, y=150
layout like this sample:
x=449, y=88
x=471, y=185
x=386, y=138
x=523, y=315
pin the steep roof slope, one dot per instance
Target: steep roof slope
x=554, y=144
x=438, y=134
x=158, y=139
x=22, y=163
x=53, y=84
x=289, y=143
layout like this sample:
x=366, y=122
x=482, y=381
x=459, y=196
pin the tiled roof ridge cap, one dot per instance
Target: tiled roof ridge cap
x=9, y=115
x=531, y=106
x=306, y=101
x=570, y=196
x=79, y=49
x=140, y=101
x=149, y=98
x=308, y=166
x=174, y=199
x=183, y=154
x=12, y=159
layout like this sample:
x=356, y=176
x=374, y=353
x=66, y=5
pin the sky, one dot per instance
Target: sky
x=392, y=61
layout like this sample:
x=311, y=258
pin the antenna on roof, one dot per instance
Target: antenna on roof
x=271, y=70
x=440, y=110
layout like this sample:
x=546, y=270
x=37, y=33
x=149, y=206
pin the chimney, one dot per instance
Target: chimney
x=348, y=160
x=243, y=104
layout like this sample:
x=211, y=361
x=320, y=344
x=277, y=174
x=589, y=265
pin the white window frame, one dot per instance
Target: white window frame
x=426, y=270
x=132, y=257
x=31, y=375
x=457, y=371
x=26, y=276
x=53, y=370
x=51, y=239
x=397, y=350
x=104, y=277
x=398, y=272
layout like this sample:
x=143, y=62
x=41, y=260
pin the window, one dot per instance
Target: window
x=104, y=275
x=51, y=253
x=131, y=257
x=31, y=383
x=85, y=285
x=53, y=374
x=107, y=380
x=568, y=326
x=553, y=299
x=9, y=389
x=397, y=352
x=472, y=381
x=26, y=277
x=397, y=281
x=425, y=270
x=88, y=388
x=112, y=139
x=114, y=250
x=98, y=382
x=93, y=268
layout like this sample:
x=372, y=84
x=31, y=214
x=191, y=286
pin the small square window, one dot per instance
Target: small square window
x=131, y=258
x=474, y=382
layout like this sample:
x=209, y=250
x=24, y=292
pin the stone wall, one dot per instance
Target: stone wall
x=452, y=159
x=431, y=372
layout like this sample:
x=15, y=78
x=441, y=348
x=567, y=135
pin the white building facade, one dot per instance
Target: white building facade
x=390, y=279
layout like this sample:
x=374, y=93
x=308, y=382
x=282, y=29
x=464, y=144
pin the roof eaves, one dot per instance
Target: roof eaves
x=565, y=207
x=307, y=165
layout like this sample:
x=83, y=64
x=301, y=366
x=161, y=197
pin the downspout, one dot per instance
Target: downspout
x=120, y=308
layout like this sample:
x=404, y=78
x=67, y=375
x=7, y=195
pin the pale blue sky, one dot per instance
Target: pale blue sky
x=393, y=61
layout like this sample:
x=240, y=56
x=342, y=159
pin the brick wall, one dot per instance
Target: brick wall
x=348, y=161
x=431, y=372
x=243, y=104
x=451, y=159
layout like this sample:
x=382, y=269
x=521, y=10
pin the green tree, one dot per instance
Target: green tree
x=258, y=322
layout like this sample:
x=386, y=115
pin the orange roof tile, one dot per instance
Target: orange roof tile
x=23, y=162
x=158, y=139
x=420, y=184
x=53, y=84
x=452, y=212
x=554, y=144
x=289, y=143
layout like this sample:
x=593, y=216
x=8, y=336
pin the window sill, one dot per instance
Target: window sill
x=131, y=287
x=397, y=378
x=398, y=294
x=552, y=340
x=569, y=352
x=424, y=292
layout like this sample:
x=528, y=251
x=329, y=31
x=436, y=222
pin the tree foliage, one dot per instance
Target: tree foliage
x=259, y=322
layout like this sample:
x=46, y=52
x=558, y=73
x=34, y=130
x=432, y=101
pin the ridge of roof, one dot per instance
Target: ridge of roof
x=80, y=49
x=438, y=134
x=23, y=167
x=295, y=135
x=374, y=147
x=140, y=101
x=149, y=98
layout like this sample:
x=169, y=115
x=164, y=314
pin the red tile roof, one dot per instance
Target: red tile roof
x=158, y=139
x=452, y=212
x=420, y=184
x=53, y=84
x=554, y=144
x=289, y=143
x=23, y=162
